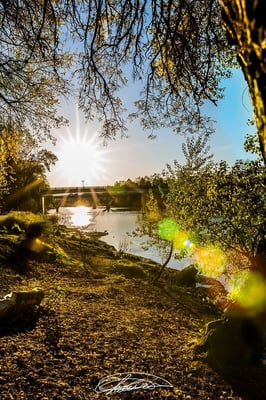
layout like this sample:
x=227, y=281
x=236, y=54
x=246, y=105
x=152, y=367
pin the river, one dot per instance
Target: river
x=119, y=224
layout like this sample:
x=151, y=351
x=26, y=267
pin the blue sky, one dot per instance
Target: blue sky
x=83, y=160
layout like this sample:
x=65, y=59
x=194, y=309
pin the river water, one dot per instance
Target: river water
x=119, y=224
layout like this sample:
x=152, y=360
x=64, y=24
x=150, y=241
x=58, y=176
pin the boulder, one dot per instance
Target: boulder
x=187, y=276
x=214, y=289
x=232, y=342
x=18, y=303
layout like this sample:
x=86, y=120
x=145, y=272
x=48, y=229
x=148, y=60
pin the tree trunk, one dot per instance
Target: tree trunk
x=165, y=263
x=245, y=23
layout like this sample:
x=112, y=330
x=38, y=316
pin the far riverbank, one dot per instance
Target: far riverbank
x=119, y=223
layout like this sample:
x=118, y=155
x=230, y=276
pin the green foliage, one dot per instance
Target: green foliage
x=147, y=227
x=23, y=220
x=9, y=144
x=222, y=206
x=251, y=143
x=165, y=42
x=237, y=201
x=24, y=167
x=212, y=205
x=129, y=270
x=30, y=236
x=169, y=224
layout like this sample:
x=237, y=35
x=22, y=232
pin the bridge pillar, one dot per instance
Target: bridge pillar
x=43, y=205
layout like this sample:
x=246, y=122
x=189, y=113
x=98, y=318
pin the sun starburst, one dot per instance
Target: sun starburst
x=81, y=157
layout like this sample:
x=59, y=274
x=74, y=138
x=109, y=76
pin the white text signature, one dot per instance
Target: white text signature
x=128, y=381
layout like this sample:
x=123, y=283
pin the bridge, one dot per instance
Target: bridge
x=94, y=193
x=63, y=191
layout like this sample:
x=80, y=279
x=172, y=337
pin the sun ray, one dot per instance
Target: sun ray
x=82, y=159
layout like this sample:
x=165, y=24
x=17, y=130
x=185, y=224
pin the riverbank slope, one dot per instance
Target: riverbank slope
x=101, y=315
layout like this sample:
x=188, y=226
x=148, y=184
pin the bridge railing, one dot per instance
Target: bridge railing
x=96, y=189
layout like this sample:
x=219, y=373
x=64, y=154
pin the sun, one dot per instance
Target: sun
x=82, y=160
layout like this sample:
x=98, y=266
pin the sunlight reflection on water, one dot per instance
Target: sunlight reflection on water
x=80, y=216
x=77, y=217
x=118, y=223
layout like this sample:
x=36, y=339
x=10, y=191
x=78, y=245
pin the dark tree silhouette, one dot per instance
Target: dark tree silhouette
x=178, y=49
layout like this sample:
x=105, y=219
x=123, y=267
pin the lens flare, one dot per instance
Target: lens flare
x=180, y=240
x=167, y=229
x=211, y=261
x=248, y=289
x=36, y=245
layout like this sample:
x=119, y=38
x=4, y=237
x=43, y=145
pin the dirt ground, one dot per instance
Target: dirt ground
x=96, y=321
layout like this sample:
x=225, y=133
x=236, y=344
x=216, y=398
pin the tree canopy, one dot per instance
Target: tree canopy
x=32, y=66
x=177, y=51
x=23, y=170
x=210, y=211
x=224, y=206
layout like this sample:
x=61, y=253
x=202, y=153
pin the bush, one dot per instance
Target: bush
x=21, y=220
x=27, y=241
x=130, y=270
x=35, y=229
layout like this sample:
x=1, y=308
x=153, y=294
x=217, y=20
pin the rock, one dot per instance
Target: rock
x=187, y=276
x=18, y=303
x=213, y=283
x=214, y=289
x=232, y=342
x=7, y=303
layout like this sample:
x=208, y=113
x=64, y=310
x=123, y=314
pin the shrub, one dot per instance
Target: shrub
x=20, y=220
x=130, y=270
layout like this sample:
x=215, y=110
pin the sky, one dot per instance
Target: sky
x=84, y=161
